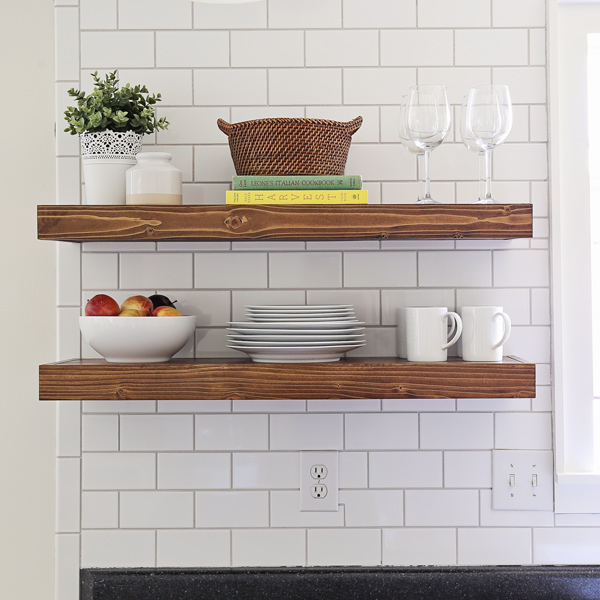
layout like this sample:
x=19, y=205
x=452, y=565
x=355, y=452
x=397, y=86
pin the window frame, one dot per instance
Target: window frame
x=577, y=480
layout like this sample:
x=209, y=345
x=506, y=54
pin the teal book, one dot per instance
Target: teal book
x=297, y=182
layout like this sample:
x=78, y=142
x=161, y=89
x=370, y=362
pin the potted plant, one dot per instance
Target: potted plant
x=111, y=122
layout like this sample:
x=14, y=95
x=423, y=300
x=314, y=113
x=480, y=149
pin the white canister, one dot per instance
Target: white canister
x=154, y=180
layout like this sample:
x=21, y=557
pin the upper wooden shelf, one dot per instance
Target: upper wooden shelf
x=242, y=379
x=77, y=223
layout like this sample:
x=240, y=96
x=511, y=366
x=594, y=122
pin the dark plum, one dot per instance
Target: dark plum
x=161, y=300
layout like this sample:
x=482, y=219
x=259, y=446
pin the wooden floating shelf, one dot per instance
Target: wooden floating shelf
x=242, y=379
x=276, y=222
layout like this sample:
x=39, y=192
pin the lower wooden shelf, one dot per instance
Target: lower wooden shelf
x=242, y=379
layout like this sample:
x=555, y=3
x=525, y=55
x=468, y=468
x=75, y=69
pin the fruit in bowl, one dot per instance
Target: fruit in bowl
x=143, y=339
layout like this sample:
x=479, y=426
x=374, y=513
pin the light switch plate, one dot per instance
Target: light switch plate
x=522, y=480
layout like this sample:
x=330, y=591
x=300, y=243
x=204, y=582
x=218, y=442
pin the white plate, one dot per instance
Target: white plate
x=296, y=338
x=296, y=307
x=290, y=318
x=287, y=344
x=252, y=331
x=295, y=355
x=316, y=325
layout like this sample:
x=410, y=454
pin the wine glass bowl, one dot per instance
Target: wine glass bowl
x=427, y=121
x=488, y=122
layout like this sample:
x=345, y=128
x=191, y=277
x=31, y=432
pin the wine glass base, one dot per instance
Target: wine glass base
x=485, y=201
x=427, y=201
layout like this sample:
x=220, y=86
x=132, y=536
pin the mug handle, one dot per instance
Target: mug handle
x=459, y=327
x=507, y=328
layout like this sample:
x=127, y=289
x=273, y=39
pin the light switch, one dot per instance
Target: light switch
x=522, y=480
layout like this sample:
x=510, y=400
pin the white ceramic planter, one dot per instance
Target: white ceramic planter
x=106, y=156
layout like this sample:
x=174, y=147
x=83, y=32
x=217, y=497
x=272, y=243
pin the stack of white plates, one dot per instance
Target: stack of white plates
x=297, y=334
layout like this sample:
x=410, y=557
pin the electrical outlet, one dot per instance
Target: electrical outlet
x=522, y=480
x=319, y=481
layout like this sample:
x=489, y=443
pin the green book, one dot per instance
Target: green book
x=297, y=182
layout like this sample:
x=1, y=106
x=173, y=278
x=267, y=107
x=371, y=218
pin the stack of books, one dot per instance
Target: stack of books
x=297, y=189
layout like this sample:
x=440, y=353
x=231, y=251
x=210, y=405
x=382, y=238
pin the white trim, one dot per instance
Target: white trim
x=569, y=25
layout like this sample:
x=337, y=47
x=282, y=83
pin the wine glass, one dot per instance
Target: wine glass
x=428, y=121
x=470, y=143
x=488, y=121
x=411, y=147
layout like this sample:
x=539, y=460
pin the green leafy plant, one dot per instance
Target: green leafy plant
x=108, y=108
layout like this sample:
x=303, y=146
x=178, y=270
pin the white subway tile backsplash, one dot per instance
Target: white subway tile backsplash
x=305, y=86
x=458, y=80
x=353, y=468
x=377, y=86
x=392, y=300
x=344, y=547
x=100, y=432
x=192, y=49
x=232, y=509
x=212, y=163
x=151, y=14
x=566, y=546
x=511, y=518
x=435, y=47
x=343, y=48
x=466, y=431
x=97, y=16
x=100, y=271
x=441, y=508
x=67, y=566
x=405, y=469
x=66, y=44
x=512, y=13
x=157, y=432
x=252, y=15
x=68, y=184
x=288, y=15
x=419, y=546
x=156, y=509
x=528, y=431
x=461, y=13
x=266, y=470
x=155, y=271
x=537, y=46
x=174, y=86
x=369, y=129
x=68, y=429
x=475, y=47
x=365, y=302
x=456, y=269
x=305, y=270
x=468, y=469
x=229, y=271
x=99, y=510
x=118, y=470
x=514, y=301
x=526, y=84
x=112, y=548
x=67, y=495
x=381, y=162
x=268, y=547
x=112, y=49
x=343, y=406
x=231, y=432
x=373, y=508
x=194, y=471
x=67, y=319
x=397, y=269
x=285, y=512
x=267, y=49
x=221, y=87
x=381, y=431
x=481, y=546
x=192, y=548
x=192, y=125
x=381, y=13
x=306, y=432
x=521, y=268
x=521, y=161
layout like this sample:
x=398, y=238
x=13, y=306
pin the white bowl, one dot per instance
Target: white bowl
x=137, y=339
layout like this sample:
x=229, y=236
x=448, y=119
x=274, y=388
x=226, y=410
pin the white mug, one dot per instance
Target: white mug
x=485, y=331
x=427, y=333
x=401, y=332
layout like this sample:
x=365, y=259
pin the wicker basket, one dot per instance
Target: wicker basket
x=289, y=146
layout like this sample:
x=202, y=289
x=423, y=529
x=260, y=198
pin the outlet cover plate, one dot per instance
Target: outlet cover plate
x=522, y=480
x=310, y=501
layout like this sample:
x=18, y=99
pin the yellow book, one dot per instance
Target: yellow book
x=296, y=197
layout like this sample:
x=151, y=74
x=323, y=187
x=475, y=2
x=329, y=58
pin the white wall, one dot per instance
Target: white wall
x=216, y=483
x=27, y=321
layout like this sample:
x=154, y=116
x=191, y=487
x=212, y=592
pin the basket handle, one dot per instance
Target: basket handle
x=224, y=126
x=353, y=126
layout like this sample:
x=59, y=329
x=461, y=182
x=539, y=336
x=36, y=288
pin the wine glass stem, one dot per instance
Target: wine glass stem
x=427, y=181
x=481, y=162
x=488, y=174
x=420, y=169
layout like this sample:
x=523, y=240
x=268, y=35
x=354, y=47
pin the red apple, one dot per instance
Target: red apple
x=166, y=311
x=129, y=312
x=139, y=303
x=101, y=305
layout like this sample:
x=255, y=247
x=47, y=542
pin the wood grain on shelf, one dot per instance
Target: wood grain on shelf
x=276, y=222
x=241, y=379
